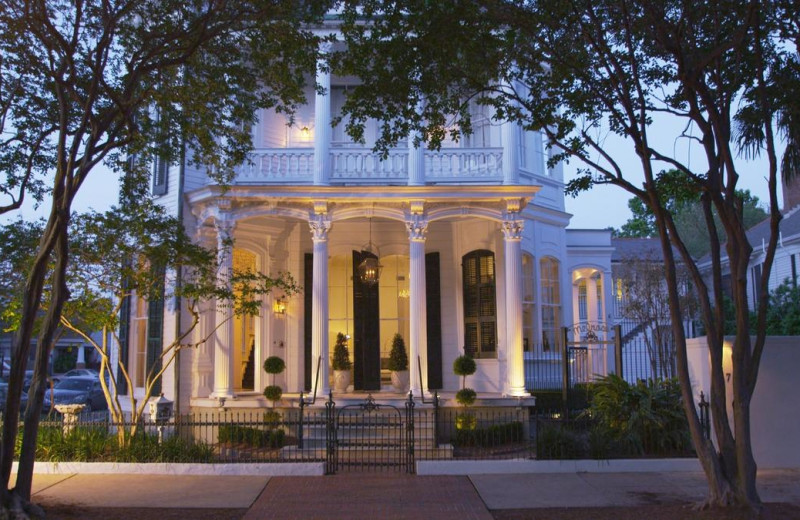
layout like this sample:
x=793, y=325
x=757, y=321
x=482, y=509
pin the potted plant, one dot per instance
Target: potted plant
x=398, y=364
x=341, y=364
x=465, y=366
x=273, y=365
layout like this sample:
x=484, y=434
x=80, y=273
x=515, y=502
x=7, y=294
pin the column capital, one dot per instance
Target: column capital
x=320, y=225
x=512, y=229
x=417, y=226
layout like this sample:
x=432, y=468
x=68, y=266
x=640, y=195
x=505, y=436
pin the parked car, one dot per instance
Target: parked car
x=4, y=395
x=77, y=390
x=76, y=372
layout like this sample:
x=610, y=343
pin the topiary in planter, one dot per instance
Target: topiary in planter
x=466, y=396
x=464, y=366
x=273, y=393
x=341, y=356
x=398, y=359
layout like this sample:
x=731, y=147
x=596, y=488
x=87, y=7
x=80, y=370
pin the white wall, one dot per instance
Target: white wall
x=774, y=410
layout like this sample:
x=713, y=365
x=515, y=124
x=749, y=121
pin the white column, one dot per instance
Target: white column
x=320, y=226
x=322, y=121
x=418, y=311
x=416, y=158
x=202, y=361
x=512, y=247
x=510, y=135
x=223, y=346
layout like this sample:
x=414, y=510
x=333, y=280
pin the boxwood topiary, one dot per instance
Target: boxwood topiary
x=273, y=393
x=464, y=366
x=466, y=396
x=398, y=359
x=274, y=365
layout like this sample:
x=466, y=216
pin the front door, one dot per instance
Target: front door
x=366, y=325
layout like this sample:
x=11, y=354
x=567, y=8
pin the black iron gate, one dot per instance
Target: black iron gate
x=369, y=437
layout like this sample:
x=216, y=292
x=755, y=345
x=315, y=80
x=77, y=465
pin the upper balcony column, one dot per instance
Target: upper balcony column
x=510, y=135
x=322, y=119
x=416, y=157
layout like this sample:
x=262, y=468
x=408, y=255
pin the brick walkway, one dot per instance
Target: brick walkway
x=373, y=497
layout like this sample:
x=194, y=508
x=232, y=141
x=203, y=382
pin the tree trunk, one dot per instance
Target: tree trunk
x=60, y=294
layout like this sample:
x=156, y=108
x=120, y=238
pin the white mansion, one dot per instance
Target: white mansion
x=472, y=239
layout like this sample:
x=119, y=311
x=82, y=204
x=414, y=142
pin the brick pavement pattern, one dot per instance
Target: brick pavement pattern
x=365, y=496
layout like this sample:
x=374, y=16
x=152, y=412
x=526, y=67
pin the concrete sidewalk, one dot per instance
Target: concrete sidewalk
x=391, y=495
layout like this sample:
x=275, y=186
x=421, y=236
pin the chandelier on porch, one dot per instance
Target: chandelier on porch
x=369, y=270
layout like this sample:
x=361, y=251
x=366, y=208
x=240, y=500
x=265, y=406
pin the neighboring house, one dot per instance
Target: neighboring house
x=471, y=240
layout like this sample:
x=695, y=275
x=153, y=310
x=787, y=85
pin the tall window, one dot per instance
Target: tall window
x=480, y=304
x=160, y=171
x=551, y=304
x=528, y=303
x=600, y=313
x=583, y=314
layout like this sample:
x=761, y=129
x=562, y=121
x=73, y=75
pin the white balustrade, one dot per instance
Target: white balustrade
x=464, y=163
x=278, y=165
x=362, y=164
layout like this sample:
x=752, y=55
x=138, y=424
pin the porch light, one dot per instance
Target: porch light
x=279, y=307
x=305, y=133
x=369, y=270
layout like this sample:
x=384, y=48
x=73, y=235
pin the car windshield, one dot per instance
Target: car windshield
x=74, y=384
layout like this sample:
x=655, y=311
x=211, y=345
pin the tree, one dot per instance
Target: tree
x=643, y=302
x=87, y=82
x=579, y=71
x=687, y=213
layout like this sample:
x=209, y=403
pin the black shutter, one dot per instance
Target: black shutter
x=433, y=299
x=124, y=339
x=160, y=174
x=308, y=287
x=480, y=304
x=155, y=330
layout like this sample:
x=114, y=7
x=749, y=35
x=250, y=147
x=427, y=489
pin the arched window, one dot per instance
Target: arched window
x=480, y=304
x=551, y=304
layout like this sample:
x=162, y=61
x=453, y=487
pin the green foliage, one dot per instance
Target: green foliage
x=253, y=437
x=341, y=356
x=646, y=417
x=466, y=421
x=687, y=213
x=783, y=312
x=489, y=437
x=398, y=359
x=464, y=366
x=64, y=360
x=274, y=365
x=273, y=392
x=555, y=442
x=92, y=444
x=466, y=396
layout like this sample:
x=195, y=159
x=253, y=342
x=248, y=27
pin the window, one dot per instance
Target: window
x=600, y=313
x=480, y=305
x=583, y=313
x=551, y=304
x=528, y=303
x=160, y=172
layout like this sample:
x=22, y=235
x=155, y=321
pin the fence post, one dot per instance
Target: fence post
x=618, y=351
x=300, y=423
x=436, y=419
x=705, y=419
x=410, y=433
x=330, y=435
x=565, y=373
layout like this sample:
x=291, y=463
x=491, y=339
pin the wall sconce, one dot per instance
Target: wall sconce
x=305, y=133
x=279, y=307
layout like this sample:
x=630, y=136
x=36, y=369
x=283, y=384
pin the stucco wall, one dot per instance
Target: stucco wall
x=775, y=412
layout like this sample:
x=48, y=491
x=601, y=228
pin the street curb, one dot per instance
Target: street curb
x=483, y=467
x=304, y=469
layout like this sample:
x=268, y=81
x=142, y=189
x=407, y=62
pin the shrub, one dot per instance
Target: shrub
x=398, y=359
x=464, y=366
x=490, y=437
x=466, y=396
x=341, y=356
x=235, y=434
x=554, y=442
x=274, y=365
x=273, y=393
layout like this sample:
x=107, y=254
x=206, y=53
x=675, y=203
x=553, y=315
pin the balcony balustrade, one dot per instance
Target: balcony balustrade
x=351, y=165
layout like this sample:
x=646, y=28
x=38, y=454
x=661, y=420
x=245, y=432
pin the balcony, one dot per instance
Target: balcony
x=353, y=165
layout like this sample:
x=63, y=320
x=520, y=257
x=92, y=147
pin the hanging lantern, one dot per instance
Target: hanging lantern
x=369, y=270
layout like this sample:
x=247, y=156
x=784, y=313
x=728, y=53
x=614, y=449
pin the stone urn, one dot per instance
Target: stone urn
x=341, y=380
x=400, y=380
